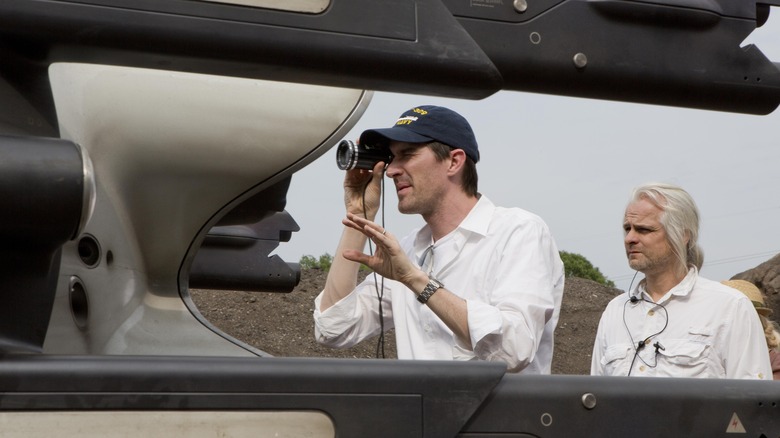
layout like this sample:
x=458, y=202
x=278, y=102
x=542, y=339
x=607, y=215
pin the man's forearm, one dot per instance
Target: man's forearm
x=342, y=276
x=453, y=312
x=450, y=308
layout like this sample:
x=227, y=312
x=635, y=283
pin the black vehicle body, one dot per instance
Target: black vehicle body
x=146, y=147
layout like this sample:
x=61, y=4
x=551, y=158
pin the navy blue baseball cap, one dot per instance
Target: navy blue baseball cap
x=424, y=124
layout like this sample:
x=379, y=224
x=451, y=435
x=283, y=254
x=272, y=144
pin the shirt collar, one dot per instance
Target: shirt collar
x=682, y=288
x=477, y=221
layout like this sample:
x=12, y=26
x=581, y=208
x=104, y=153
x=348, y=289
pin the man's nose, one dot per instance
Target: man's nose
x=392, y=170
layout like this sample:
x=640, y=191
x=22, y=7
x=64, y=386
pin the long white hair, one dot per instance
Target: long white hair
x=680, y=219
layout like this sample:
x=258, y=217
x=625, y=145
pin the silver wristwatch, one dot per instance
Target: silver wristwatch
x=432, y=286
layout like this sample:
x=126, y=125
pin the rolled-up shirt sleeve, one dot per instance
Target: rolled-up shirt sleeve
x=352, y=319
x=521, y=296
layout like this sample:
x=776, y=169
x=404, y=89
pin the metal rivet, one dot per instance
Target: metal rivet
x=580, y=60
x=520, y=5
x=589, y=400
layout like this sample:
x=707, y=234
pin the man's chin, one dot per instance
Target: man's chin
x=409, y=208
x=636, y=265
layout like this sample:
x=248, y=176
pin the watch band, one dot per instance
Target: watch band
x=430, y=288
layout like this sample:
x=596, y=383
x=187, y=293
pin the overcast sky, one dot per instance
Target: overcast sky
x=574, y=162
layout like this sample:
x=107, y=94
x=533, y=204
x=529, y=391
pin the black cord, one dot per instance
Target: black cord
x=636, y=351
x=641, y=344
x=380, y=290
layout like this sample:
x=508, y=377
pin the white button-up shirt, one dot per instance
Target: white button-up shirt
x=502, y=261
x=700, y=328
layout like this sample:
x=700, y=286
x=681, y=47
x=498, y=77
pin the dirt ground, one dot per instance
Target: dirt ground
x=281, y=323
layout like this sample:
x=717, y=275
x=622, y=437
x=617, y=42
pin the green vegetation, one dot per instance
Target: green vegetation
x=324, y=262
x=576, y=265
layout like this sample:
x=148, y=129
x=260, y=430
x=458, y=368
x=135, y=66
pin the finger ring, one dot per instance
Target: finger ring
x=383, y=232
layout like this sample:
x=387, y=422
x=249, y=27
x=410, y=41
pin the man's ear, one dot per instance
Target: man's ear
x=457, y=161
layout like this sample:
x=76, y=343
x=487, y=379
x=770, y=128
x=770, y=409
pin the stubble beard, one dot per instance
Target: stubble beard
x=407, y=206
x=415, y=205
x=638, y=265
x=648, y=265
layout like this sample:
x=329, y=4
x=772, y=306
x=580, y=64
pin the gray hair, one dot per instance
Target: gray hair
x=680, y=219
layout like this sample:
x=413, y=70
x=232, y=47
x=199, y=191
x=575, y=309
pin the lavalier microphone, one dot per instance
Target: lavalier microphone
x=634, y=299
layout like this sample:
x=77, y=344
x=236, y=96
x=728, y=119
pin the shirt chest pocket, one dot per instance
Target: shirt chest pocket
x=617, y=360
x=688, y=357
x=684, y=352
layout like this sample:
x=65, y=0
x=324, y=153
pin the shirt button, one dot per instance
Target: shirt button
x=642, y=368
x=651, y=313
x=427, y=328
x=760, y=375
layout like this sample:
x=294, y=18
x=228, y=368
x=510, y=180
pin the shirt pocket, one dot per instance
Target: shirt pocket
x=617, y=360
x=686, y=358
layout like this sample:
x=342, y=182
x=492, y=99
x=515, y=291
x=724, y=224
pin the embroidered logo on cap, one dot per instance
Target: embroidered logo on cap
x=406, y=120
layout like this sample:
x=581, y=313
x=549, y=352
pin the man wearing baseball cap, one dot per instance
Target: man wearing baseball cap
x=476, y=282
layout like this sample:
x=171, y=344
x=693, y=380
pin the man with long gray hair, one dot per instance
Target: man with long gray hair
x=675, y=323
